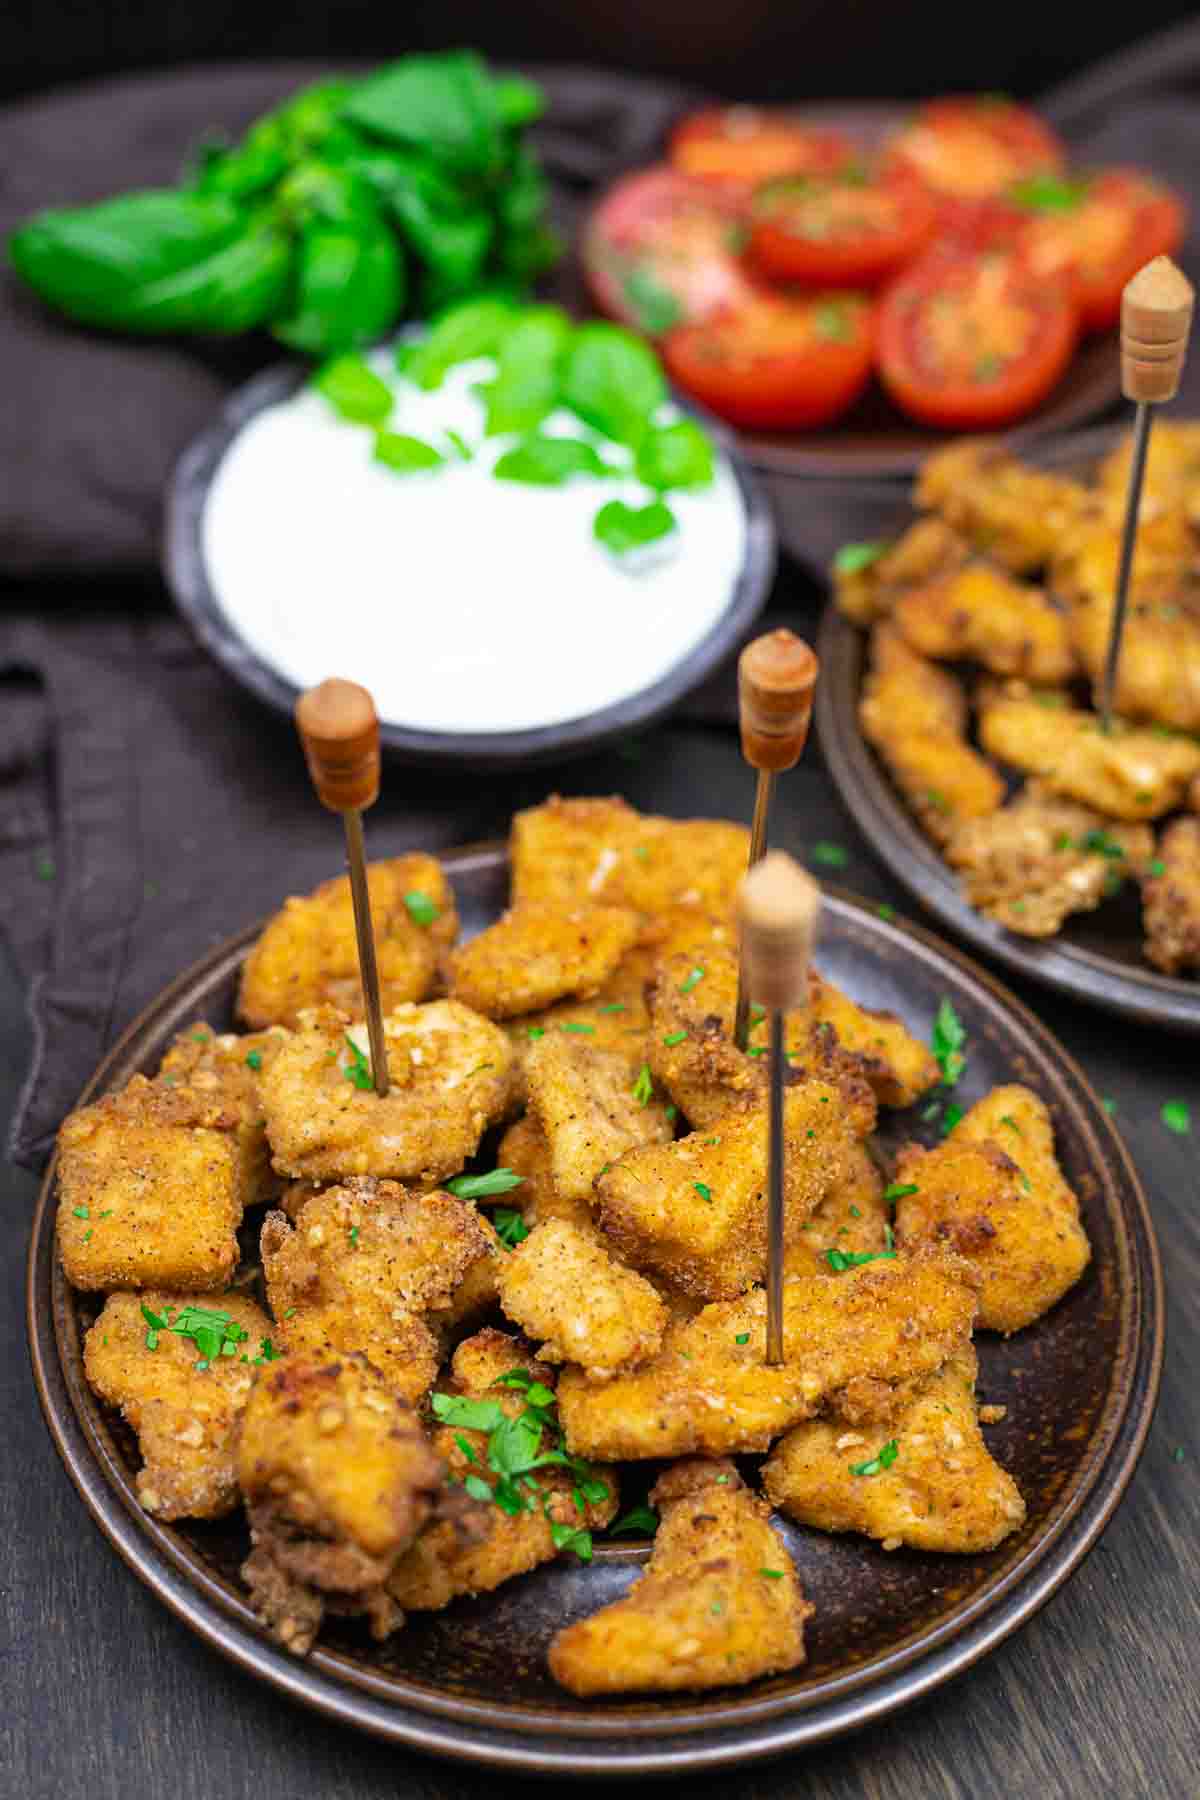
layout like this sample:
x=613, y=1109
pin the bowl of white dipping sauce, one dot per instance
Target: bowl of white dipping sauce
x=487, y=621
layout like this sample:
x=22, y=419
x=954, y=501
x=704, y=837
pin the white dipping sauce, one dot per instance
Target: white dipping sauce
x=464, y=603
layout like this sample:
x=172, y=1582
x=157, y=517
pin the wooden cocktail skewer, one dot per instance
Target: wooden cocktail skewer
x=1156, y=319
x=778, y=908
x=776, y=677
x=339, y=730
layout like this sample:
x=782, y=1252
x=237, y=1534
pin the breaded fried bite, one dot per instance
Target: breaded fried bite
x=151, y=1187
x=537, y=954
x=451, y=1075
x=589, y=1109
x=719, y=1605
x=182, y=1405
x=852, y=1218
x=980, y=614
x=1127, y=774
x=442, y=1563
x=866, y=586
x=993, y=1191
x=926, y=1480
x=580, y=1304
x=568, y=851
x=225, y=1069
x=524, y=1150
x=914, y=715
x=1014, y=513
x=897, y=1065
x=360, y=1269
x=694, y=1211
x=1171, y=899
x=338, y=1479
x=856, y=1338
x=308, y=953
x=1041, y=858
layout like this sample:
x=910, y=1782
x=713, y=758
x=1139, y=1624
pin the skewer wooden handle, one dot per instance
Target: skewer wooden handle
x=776, y=677
x=778, y=906
x=339, y=729
x=1156, y=320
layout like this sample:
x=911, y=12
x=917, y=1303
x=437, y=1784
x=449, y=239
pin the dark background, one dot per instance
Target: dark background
x=750, y=49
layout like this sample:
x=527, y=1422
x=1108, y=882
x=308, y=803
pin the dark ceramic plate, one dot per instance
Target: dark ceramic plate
x=471, y=1682
x=875, y=437
x=1097, y=956
x=187, y=577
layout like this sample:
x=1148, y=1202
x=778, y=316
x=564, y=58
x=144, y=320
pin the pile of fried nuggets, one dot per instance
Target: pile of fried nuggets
x=393, y=1444
x=1013, y=569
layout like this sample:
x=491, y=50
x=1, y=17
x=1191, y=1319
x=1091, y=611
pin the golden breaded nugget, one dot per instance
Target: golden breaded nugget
x=338, y=1478
x=308, y=953
x=569, y=851
x=1126, y=773
x=226, y=1069
x=364, y=1263
x=878, y=1044
x=589, y=1110
x=1172, y=477
x=993, y=1190
x=1171, y=899
x=852, y=1218
x=719, y=1604
x=451, y=1074
x=866, y=587
x=983, y=615
x=695, y=1211
x=710, y=1388
x=538, y=954
x=524, y=1150
x=182, y=1405
x=151, y=1188
x=914, y=714
x=1014, y=513
x=940, y=1489
x=564, y=1289
x=441, y=1563
x=476, y=1293
x=1041, y=858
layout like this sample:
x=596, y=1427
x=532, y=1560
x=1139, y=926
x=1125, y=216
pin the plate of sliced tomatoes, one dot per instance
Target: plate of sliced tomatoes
x=847, y=283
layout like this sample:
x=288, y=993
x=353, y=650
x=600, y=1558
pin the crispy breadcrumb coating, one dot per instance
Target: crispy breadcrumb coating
x=981, y=614
x=589, y=1109
x=1015, y=513
x=524, y=1150
x=1171, y=900
x=225, y=1069
x=182, y=1406
x=927, y=550
x=719, y=1604
x=852, y=1217
x=568, y=851
x=537, y=954
x=943, y=1491
x=567, y=1293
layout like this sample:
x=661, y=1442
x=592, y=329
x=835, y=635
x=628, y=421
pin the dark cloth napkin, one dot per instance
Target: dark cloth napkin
x=148, y=807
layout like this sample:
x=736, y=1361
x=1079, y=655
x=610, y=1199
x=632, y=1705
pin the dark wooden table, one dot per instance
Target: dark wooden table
x=103, y=1696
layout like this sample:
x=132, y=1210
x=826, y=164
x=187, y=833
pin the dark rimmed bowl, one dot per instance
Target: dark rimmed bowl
x=471, y=1683
x=1097, y=957
x=187, y=577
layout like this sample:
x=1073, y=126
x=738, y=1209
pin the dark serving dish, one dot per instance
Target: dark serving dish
x=1097, y=956
x=187, y=577
x=471, y=1682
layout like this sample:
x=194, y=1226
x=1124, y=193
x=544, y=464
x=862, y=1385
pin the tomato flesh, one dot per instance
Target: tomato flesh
x=1098, y=232
x=743, y=146
x=777, y=364
x=967, y=147
x=972, y=342
x=661, y=250
x=854, y=227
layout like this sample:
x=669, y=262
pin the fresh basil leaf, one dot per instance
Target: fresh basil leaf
x=522, y=255
x=654, y=307
x=851, y=559
x=319, y=190
x=448, y=231
x=405, y=455
x=522, y=196
x=517, y=102
x=474, y=328
x=570, y=1537
x=354, y=390
x=675, y=456
x=613, y=381
x=349, y=289
x=549, y=461
x=528, y=372
x=443, y=104
x=622, y=528
x=513, y=1445
x=249, y=168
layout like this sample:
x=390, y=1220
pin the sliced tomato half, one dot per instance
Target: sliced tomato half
x=971, y=342
x=777, y=364
x=968, y=146
x=661, y=251
x=743, y=146
x=853, y=227
x=1098, y=230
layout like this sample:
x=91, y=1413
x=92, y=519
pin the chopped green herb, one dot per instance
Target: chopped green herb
x=254, y=1060
x=948, y=1040
x=1178, y=1454
x=899, y=1190
x=704, y=1191
x=1100, y=843
x=354, y=1237
x=772, y=1574
x=672, y=1112
x=289, y=1312
x=1176, y=1116
x=674, y=1037
x=829, y=856
x=697, y=975
x=643, y=1087
x=43, y=868
x=638, y=1518
x=622, y=528
x=1109, y=1105
x=884, y=1460
x=951, y=1117
x=511, y=1228
x=575, y=1026
x=359, y=1071
x=87, y=1234
x=478, y=1187
x=1007, y=1119
x=614, y=1006
x=743, y=1337
x=841, y=1260
x=156, y=1325
x=421, y=909
x=885, y=911
x=856, y=1212
x=81, y=1212
x=831, y=320
x=1157, y=867
x=851, y=559
x=535, y=1031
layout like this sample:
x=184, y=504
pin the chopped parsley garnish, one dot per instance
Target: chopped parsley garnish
x=535, y=1031
x=674, y=1037
x=643, y=1087
x=886, y=912
x=638, y=1518
x=254, y=1060
x=948, y=1040
x=855, y=1212
x=1176, y=1116
x=81, y=1212
x=1109, y=1105
x=478, y=1187
x=672, y=1112
x=43, y=868
x=359, y=1071
x=841, y=1260
x=1157, y=867
x=829, y=856
x=704, y=1191
x=1007, y=1119
x=898, y=1190
x=851, y=559
x=772, y=1574
x=511, y=1228
x=354, y=1237
x=685, y=987
x=213, y=1332
x=743, y=1337
x=1099, y=843
x=615, y=1006
x=421, y=909
x=950, y=1118
x=1178, y=1454
x=574, y=1025
x=886, y=1457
